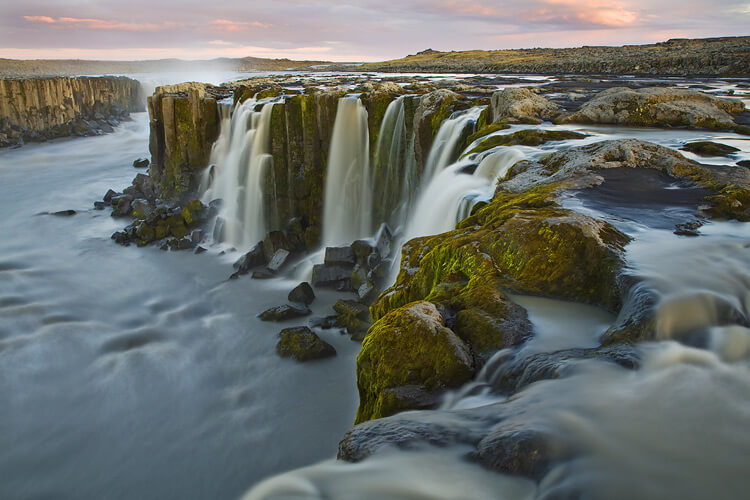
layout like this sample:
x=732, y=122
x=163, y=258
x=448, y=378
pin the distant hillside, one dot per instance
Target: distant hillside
x=70, y=67
x=729, y=56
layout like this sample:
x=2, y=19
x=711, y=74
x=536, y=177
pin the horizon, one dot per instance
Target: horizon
x=357, y=32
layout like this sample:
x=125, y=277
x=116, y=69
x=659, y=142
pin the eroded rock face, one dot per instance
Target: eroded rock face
x=433, y=108
x=184, y=122
x=658, y=107
x=409, y=349
x=522, y=105
x=37, y=109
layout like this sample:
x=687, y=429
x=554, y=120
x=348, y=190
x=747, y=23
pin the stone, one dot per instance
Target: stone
x=340, y=256
x=121, y=205
x=256, y=257
x=384, y=241
x=362, y=249
x=708, y=148
x=522, y=105
x=141, y=163
x=64, y=213
x=393, y=355
x=302, y=293
x=329, y=276
x=278, y=260
x=100, y=205
x=196, y=236
x=140, y=209
x=276, y=240
x=109, y=195
x=199, y=250
x=302, y=344
x=284, y=312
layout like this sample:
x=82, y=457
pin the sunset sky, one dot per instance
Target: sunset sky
x=357, y=31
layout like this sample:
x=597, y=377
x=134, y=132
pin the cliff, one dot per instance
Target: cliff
x=37, y=109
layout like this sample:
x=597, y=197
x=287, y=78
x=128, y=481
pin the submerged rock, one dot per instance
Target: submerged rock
x=302, y=344
x=529, y=137
x=141, y=163
x=284, y=312
x=302, y=293
x=708, y=148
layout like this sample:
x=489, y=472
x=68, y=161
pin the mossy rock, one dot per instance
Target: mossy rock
x=708, y=148
x=302, y=344
x=528, y=137
x=192, y=212
x=484, y=130
x=408, y=347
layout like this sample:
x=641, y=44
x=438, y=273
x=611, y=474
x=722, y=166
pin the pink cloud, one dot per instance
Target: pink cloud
x=586, y=12
x=225, y=25
x=93, y=24
x=468, y=8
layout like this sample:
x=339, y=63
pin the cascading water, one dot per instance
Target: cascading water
x=241, y=158
x=444, y=151
x=347, y=213
x=394, y=172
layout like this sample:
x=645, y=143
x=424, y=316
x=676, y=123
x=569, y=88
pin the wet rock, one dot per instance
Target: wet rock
x=278, y=260
x=658, y=107
x=330, y=276
x=262, y=274
x=140, y=209
x=256, y=257
x=362, y=249
x=196, y=236
x=521, y=452
x=325, y=322
x=384, y=241
x=278, y=240
x=64, y=213
x=302, y=293
x=354, y=317
x=100, y=205
x=283, y=313
x=121, y=205
x=528, y=137
x=199, y=250
x=141, y=163
x=522, y=105
x=302, y=344
x=689, y=228
x=340, y=256
x=393, y=356
x=434, y=107
x=109, y=195
x=744, y=163
x=708, y=148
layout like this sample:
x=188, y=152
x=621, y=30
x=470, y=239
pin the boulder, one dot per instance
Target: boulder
x=330, y=276
x=658, y=107
x=521, y=105
x=708, y=148
x=284, y=312
x=302, y=344
x=302, y=293
x=408, y=347
x=340, y=256
x=141, y=163
x=278, y=260
x=256, y=257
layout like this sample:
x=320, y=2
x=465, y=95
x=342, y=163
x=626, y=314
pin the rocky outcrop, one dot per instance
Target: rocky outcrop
x=433, y=109
x=37, y=109
x=184, y=123
x=302, y=344
x=658, y=107
x=521, y=105
x=726, y=56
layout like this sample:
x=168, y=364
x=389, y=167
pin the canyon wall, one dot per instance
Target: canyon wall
x=37, y=109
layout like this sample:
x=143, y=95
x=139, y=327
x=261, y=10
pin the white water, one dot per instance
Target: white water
x=394, y=167
x=443, y=150
x=241, y=158
x=347, y=212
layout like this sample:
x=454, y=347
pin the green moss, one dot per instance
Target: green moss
x=528, y=137
x=708, y=148
x=408, y=347
x=191, y=212
x=301, y=344
x=487, y=130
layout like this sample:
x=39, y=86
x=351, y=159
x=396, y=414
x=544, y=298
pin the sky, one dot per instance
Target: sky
x=368, y=30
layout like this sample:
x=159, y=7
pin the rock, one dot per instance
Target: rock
x=394, y=355
x=278, y=260
x=518, y=452
x=256, y=257
x=100, y=205
x=326, y=322
x=199, y=250
x=196, y=236
x=689, y=228
x=121, y=205
x=528, y=137
x=744, y=163
x=109, y=195
x=283, y=313
x=339, y=256
x=302, y=293
x=64, y=213
x=658, y=107
x=433, y=109
x=362, y=249
x=384, y=241
x=262, y=274
x=141, y=163
x=522, y=105
x=302, y=344
x=276, y=240
x=354, y=317
x=330, y=276
x=708, y=148
x=140, y=209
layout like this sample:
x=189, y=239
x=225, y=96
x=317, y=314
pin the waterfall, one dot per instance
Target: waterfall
x=347, y=213
x=394, y=172
x=241, y=157
x=444, y=151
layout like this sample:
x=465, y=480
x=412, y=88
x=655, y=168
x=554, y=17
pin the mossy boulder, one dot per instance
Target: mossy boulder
x=708, y=148
x=484, y=130
x=521, y=105
x=409, y=347
x=658, y=107
x=528, y=137
x=302, y=344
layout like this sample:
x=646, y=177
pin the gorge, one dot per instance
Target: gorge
x=549, y=288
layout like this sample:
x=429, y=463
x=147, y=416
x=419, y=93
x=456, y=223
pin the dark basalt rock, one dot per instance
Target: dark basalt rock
x=302, y=344
x=708, y=148
x=141, y=163
x=302, y=293
x=278, y=260
x=283, y=313
x=330, y=276
x=340, y=256
x=256, y=257
x=64, y=213
x=689, y=228
x=519, y=452
x=325, y=322
x=354, y=317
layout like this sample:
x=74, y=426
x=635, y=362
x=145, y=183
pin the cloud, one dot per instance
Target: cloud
x=468, y=8
x=591, y=13
x=220, y=42
x=93, y=24
x=225, y=25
